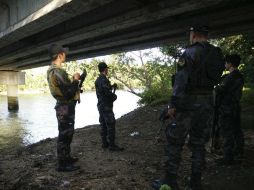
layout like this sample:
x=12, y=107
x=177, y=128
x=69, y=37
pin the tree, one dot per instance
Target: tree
x=240, y=45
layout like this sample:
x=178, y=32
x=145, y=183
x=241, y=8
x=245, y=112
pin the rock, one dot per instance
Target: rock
x=150, y=170
x=65, y=183
x=45, y=180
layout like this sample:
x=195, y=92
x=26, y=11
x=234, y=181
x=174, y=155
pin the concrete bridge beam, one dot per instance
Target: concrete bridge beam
x=12, y=79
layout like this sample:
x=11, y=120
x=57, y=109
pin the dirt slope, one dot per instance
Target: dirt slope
x=34, y=167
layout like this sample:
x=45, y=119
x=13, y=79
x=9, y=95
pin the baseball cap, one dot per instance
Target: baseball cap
x=55, y=49
x=201, y=29
x=102, y=66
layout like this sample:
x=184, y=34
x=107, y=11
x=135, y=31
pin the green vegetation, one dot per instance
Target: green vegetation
x=148, y=73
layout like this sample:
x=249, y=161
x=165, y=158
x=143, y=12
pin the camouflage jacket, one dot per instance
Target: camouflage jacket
x=104, y=92
x=61, y=87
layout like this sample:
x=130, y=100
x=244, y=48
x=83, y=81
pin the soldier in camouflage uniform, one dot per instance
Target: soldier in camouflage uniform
x=199, y=69
x=230, y=93
x=64, y=91
x=106, y=97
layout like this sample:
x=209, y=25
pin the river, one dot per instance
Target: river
x=36, y=119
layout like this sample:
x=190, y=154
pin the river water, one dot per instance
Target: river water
x=36, y=119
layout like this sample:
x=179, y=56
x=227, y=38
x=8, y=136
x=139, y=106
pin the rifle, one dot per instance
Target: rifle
x=114, y=86
x=82, y=79
x=215, y=133
x=163, y=117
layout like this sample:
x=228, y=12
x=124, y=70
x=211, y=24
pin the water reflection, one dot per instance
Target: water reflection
x=12, y=133
x=36, y=119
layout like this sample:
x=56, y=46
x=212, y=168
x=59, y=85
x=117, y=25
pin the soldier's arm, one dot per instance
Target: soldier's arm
x=107, y=90
x=223, y=86
x=67, y=87
x=180, y=82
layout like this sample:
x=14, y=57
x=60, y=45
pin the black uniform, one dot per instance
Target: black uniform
x=105, y=107
x=230, y=93
x=199, y=69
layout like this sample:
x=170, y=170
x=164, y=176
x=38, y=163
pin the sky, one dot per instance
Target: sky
x=155, y=52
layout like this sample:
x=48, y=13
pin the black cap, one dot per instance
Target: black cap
x=102, y=66
x=200, y=29
x=55, y=49
x=234, y=59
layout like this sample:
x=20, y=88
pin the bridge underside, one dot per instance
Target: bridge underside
x=100, y=27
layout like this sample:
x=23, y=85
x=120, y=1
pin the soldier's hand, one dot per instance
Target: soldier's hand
x=172, y=112
x=76, y=76
x=114, y=85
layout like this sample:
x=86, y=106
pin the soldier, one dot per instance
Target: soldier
x=105, y=107
x=230, y=93
x=199, y=69
x=63, y=90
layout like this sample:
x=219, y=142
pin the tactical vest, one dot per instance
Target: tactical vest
x=207, y=68
x=53, y=86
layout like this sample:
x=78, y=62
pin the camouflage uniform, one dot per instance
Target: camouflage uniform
x=63, y=90
x=230, y=92
x=199, y=69
x=105, y=107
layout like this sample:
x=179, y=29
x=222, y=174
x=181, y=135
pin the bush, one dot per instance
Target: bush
x=155, y=96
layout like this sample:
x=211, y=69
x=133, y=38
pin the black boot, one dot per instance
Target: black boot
x=224, y=161
x=72, y=160
x=194, y=182
x=105, y=143
x=114, y=147
x=66, y=166
x=169, y=180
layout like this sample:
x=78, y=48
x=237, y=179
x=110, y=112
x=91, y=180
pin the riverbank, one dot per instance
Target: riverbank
x=33, y=167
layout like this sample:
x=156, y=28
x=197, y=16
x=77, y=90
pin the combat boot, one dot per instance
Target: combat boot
x=72, y=160
x=169, y=180
x=65, y=166
x=68, y=168
x=194, y=182
x=114, y=147
x=105, y=143
x=225, y=162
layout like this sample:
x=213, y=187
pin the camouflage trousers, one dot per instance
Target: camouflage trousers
x=107, y=124
x=195, y=122
x=65, y=114
x=231, y=131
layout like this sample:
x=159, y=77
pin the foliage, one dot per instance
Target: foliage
x=240, y=45
x=144, y=70
x=35, y=80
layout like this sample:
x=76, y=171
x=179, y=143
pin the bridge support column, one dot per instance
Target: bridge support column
x=12, y=97
x=12, y=79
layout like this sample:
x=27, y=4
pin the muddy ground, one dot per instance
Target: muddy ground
x=33, y=167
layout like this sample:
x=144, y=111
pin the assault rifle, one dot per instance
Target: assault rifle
x=114, y=87
x=215, y=133
x=82, y=79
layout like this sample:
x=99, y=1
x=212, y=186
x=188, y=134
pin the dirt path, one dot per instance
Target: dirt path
x=135, y=168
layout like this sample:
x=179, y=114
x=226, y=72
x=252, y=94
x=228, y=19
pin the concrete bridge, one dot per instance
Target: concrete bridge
x=99, y=27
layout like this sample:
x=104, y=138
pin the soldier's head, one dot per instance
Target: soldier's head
x=57, y=53
x=198, y=34
x=103, y=68
x=232, y=61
